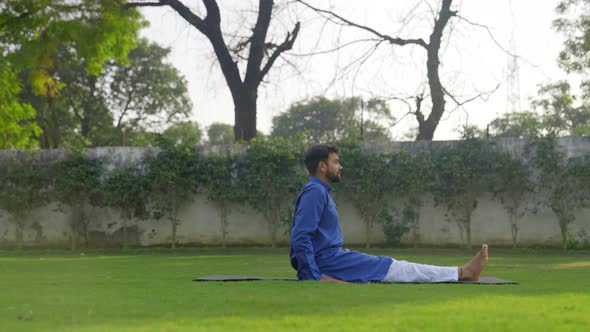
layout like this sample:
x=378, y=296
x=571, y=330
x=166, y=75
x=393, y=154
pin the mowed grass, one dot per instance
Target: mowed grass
x=152, y=291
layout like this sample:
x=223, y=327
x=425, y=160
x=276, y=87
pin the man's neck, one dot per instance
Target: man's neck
x=323, y=178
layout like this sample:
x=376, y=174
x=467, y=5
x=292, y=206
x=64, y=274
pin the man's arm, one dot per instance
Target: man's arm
x=306, y=219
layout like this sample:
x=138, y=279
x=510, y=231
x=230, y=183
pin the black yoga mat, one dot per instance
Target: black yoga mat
x=482, y=280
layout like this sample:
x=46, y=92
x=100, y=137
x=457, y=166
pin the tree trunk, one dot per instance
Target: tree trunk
x=368, y=233
x=223, y=216
x=245, y=114
x=174, y=226
x=85, y=233
x=83, y=227
x=87, y=111
x=124, y=233
x=468, y=232
x=19, y=230
x=210, y=26
x=467, y=226
x=416, y=225
x=563, y=230
x=273, y=232
x=513, y=229
x=427, y=127
x=73, y=238
x=74, y=222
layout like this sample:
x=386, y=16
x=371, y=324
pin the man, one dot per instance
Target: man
x=316, y=239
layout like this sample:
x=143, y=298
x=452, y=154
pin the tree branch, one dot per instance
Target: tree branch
x=391, y=40
x=192, y=18
x=257, y=41
x=489, y=31
x=337, y=48
x=126, y=108
x=460, y=104
x=419, y=115
x=183, y=10
x=74, y=108
x=285, y=46
x=144, y=4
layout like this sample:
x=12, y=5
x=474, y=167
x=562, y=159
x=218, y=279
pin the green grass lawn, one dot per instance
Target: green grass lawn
x=151, y=290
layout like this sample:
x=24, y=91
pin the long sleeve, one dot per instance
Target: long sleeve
x=308, y=211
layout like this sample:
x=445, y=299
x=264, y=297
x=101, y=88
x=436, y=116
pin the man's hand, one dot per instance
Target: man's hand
x=332, y=280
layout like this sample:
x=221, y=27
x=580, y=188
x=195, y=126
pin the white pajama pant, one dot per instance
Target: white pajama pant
x=402, y=271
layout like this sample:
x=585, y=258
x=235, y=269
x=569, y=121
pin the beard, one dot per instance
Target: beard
x=334, y=177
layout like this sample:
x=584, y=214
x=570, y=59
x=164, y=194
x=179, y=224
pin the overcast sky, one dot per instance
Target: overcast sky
x=472, y=62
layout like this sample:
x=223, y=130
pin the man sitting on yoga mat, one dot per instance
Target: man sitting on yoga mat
x=316, y=238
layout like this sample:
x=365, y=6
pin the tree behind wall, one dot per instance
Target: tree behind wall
x=370, y=180
x=460, y=179
x=77, y=180
x=512, y=185
x=175, y=175
x=561, y=183
x=326, y=120
x=223, y=187
x=220, y=133
x=273, y=175
x=24, y=186
x=127, y=190
x=244, y=90
x=416, y=180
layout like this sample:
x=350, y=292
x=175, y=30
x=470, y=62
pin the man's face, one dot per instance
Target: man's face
x=332, y=168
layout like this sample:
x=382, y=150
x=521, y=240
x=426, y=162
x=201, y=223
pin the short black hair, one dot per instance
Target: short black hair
x=317, y=153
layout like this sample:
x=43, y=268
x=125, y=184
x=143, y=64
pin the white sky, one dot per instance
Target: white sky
x=472, y=63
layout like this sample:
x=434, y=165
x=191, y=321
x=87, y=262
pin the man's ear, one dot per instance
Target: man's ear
x=320, y=164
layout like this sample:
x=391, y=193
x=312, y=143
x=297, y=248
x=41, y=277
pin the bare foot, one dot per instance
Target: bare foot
x=472, y=270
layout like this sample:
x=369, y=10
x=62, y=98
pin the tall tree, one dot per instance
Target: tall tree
x=220, y=133
x=326, y=120
x=426, y=124
x=184, y=133
x=17, y=125
x=563, y=114
x=147, y=93
x=518, y=124
x=144, y=94
x=558, y=112
x=244, y=90
x=31, y=33
x=573, y=22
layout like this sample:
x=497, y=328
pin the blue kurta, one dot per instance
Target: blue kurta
x=316, y=241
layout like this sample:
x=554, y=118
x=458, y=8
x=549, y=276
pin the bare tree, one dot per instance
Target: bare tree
x=244, y=90
x=426, y=124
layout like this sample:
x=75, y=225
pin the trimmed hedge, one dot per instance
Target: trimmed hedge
x=268, y=173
